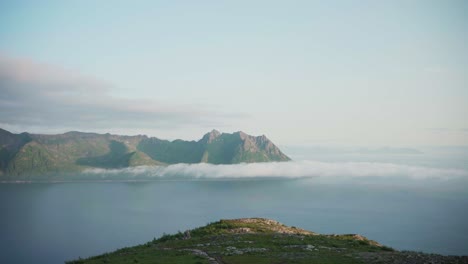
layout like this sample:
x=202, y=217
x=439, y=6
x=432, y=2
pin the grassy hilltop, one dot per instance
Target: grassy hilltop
x=258, y=240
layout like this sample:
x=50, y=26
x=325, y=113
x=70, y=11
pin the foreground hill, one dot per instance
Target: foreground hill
x=258, y=240
x=34, y=154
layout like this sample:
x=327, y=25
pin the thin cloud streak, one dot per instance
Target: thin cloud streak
x=293, y=169
x=40, y=95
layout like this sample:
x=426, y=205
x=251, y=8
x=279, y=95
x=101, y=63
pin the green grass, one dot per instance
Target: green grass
x=263, y=245
x=144, y=254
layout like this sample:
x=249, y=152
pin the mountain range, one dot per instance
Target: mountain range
x=37, y=154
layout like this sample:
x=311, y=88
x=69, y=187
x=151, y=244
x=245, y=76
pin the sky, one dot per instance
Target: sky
x=367, y=73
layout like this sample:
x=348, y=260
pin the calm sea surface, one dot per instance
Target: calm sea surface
x=54, y=222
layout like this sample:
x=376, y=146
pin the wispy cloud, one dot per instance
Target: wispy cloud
x=299, y=169
x=40, y=95
x=447, y=130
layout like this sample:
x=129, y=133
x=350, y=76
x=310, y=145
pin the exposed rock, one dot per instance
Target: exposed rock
x=271, y=225
x=186, y=235
x=242, y=230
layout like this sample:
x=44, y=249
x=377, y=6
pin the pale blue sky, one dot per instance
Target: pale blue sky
x=301, y=72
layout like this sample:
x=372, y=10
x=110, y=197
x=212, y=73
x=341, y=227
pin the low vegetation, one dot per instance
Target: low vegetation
x=257, y=240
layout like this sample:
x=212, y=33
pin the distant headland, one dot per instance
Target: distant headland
x=25, y=155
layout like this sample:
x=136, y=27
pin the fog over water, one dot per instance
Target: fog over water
x=328, y=163
x=368, y=98
x=301, y=169
x=395, y=199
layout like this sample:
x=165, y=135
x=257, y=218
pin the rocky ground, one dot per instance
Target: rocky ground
x=258, y=240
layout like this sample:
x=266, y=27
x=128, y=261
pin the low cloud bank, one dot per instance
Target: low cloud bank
x=293, y=169
x=48, y=98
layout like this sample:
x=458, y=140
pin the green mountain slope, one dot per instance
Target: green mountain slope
x=171, y=152
x=34, y=154
x=258, y=240
x=10, y=144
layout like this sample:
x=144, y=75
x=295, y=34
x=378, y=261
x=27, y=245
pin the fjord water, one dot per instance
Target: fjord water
x=54, y=222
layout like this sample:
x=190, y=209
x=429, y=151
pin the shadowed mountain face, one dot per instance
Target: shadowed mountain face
x=31, y=154
x=10, y=144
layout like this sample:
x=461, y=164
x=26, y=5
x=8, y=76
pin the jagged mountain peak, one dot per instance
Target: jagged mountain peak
x=210, y=136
